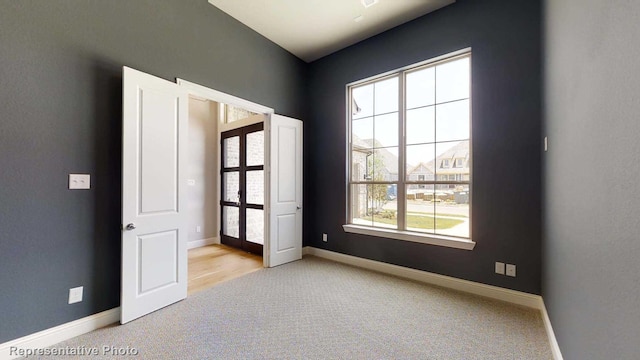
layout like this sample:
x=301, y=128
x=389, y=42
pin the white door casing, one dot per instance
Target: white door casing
x=284, y=190
x=154, y=247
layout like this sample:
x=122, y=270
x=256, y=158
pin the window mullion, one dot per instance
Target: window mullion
x=401, y=190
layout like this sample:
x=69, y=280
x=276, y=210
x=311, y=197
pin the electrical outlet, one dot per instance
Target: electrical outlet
x=79, y=181
x=324, y=237
x=499, y=268
x=511, y=270
x=75, y=295
x=198, y=229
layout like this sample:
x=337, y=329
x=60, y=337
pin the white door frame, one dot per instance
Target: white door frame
x=220, y=97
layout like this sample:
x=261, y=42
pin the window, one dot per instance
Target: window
x=410, y=131
x=229, y=113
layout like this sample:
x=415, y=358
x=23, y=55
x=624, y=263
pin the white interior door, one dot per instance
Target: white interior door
x=285, y=190
x=154, y=218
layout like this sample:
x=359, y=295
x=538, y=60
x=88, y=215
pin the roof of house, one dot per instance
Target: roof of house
x=389, y=160
x=460, y=150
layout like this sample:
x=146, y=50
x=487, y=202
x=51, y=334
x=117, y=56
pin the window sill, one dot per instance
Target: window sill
x=438, y=240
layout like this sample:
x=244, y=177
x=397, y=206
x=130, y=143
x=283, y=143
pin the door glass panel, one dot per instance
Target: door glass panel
x=255, y=226
x=231, y=221
x=231, y=185
x=255, y=187
x=231, y=152
x=255, y=148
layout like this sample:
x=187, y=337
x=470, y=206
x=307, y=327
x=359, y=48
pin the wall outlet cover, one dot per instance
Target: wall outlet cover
x=499, y=268
x=75, y=295
x=79, y=181
x=324, y=237
x=511, y=270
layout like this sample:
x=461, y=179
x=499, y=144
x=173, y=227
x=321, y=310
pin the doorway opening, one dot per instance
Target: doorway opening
x=225, y=192
x=156, y=186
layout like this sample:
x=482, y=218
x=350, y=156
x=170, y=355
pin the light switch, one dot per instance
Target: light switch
x=79, y=181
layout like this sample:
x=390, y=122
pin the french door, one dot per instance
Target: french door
x=242, y=197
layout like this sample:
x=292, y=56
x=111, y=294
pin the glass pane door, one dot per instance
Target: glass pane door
x=242, y=192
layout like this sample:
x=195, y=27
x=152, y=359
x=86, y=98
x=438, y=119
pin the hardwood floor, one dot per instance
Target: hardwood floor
x=210, y=265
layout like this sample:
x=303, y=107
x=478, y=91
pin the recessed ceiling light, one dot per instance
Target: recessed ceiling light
x=367, y=3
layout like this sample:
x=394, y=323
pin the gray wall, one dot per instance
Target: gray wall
x=506, y=82
x=60, y=112
x=591, y=246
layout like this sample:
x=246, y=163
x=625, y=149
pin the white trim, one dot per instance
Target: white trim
x=438, y=240
x=254, y=119
x=411, y=66
x=54, y=335
x=493, y=292
x=553, y=342
x=219, y=96
x=489, y=291
x=202, y=242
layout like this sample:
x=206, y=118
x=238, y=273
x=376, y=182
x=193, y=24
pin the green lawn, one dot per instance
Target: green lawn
x=440, y=214
x=421, y=222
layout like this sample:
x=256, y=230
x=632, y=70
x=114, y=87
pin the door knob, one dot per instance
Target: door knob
x=298, y=207
x=130, y=226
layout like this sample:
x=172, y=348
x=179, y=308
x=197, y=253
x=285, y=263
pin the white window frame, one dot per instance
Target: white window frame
x=425, y=238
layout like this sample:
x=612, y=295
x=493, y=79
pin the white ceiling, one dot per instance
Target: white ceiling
x=311, y=29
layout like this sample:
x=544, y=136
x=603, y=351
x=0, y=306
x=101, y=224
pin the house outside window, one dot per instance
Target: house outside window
x=409, y=150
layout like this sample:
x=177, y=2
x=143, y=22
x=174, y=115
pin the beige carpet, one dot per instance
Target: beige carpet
x=316, y=309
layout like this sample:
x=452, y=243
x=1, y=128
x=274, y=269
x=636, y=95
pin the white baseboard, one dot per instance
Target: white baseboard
x=493, y=292
x=204, y=242
x=60, y=333
x=553, y=342
x=78, y=327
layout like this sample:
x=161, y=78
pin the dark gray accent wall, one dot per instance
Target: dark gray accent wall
x=60, y=113
x=505, y=39
x=591, y=246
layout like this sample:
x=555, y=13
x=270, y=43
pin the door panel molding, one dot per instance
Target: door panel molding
x=284, y=179
x=154, y=217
